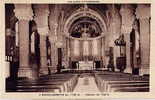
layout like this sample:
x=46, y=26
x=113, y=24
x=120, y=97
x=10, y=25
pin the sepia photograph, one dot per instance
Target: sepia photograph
x=84, y=48
x=77, y=49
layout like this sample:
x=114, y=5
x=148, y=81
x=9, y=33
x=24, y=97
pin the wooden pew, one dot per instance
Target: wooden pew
x=111, y=82
x=53, y=83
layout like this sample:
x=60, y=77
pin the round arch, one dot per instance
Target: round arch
x=84, y=12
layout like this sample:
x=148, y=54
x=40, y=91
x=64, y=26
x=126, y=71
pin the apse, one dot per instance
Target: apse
x=85, y=27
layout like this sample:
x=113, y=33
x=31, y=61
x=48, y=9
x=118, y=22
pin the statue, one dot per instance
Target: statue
x=85, y=34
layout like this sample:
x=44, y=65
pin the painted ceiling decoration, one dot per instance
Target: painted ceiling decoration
x=85, y=22
x=85, y=26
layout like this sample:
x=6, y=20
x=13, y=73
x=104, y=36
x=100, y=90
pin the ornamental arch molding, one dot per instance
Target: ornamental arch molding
x=84, y=12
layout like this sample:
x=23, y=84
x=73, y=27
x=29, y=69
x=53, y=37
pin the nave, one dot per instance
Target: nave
x=77, y=47
x=96, y=81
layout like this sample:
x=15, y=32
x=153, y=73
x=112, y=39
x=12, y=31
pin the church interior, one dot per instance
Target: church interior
x=77, y=47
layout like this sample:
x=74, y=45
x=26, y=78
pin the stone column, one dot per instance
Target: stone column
x=41, y=18
x=136, y=49
x=106, y=49
x=90, y=50
x=53, y=24
x=53, y=55
x=128, y=53
x=24, y=14
x=127, y=13
x=43, y=53
x=67, y=53
x=115, y=30
x=143, y=14
x=103, y=51
x=59, y=46
x=7, y=52
x=81, y=50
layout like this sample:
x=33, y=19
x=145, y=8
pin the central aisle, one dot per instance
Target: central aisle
x=85, y=84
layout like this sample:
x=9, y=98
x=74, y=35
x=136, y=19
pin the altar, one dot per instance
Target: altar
x=86, y=65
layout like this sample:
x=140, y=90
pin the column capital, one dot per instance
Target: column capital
x=23, y=11
x=128, y=17
x=126, y=10
x=41, y=18
x=59, y=43
x=43, y=30
x=143, y=11
x=52, y=38
x=126, y=29
x=41, y=10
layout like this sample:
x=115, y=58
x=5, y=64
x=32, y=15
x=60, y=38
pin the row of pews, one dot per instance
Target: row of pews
x=55, y=83
x=121, y=82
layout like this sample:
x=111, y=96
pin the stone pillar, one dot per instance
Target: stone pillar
x=53, y=24
x=7, y=53
x=90, y=50
x=106, y=50
x=103, y=51
x=59, y=46
x=24, y=13
x=127, y=13
x=128, y=53
x=114, y=30
x=43, y=54
x=143, y=14
x=81, y=50
x=136, y=49
x=41, y=18
x=53, y=56
x=67, y=52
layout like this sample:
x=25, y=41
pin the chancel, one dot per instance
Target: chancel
x=77, y=47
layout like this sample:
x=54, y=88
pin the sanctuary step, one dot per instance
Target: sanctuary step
x=50, y=83
x=77, y=71
x=121, y=82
